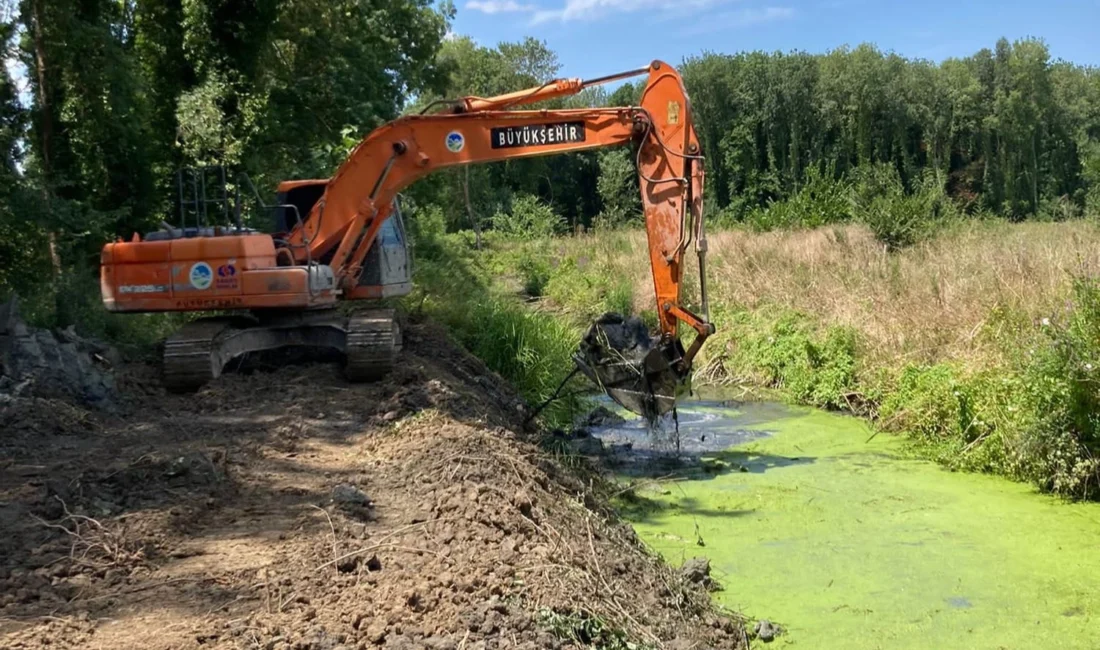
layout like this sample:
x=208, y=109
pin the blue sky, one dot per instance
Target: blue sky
x=594, y=37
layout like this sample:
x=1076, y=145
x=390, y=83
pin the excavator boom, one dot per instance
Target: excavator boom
x=323, y=256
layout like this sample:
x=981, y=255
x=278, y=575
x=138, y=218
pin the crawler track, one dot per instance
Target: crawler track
x=196, y=354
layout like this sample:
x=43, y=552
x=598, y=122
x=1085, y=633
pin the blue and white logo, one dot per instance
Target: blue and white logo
x=455, y=141
x=201, y=275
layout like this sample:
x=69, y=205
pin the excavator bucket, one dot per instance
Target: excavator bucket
x=636, y=370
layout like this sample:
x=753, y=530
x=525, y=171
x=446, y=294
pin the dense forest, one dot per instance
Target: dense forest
x=103, y=100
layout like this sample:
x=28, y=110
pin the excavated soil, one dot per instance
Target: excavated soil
x=290, y=509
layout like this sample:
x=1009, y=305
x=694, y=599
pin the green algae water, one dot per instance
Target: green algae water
x=810, y=521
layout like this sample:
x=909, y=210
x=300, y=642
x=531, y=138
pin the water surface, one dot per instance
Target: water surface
x=815, y=524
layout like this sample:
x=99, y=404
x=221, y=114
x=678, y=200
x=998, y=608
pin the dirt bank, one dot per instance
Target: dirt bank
x=291, y=510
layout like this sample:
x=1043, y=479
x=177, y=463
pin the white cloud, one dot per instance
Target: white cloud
x=740, y=18
x=579, y=10
x=499, y=6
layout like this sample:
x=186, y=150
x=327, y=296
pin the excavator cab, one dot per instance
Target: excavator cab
x=387, y=267
x=294, y=200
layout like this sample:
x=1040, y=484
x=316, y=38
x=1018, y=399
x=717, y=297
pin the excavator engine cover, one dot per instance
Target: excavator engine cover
x=636, y=370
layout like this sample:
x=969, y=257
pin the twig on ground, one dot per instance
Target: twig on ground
x=95, y=538
x=331, y=528
x=379, y=544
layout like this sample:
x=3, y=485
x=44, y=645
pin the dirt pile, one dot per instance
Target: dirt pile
x=292, y=510
x=39, y=363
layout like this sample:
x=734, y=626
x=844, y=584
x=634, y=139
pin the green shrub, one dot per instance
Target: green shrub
x=619, y=296
x=879, y=201
x=531, y=350
x=24, y=257
x=582, y=290
x=928, y=402
x=1090, y=157
x=1036, y=419
x=534, y=271
x=528, y=219
x=788, y=353
x=820, y=201
x=427, y=227
x=617, y=186
x=1060, y=450
x=896, y=217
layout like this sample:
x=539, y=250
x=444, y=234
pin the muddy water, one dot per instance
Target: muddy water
x=811, y=522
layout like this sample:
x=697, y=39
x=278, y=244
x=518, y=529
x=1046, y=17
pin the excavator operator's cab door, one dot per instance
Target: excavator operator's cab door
x=387, y=270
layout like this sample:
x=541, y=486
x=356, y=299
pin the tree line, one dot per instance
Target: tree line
x=1007, y=130
x=804, y=139
x=116, y=95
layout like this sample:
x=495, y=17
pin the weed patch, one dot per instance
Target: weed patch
x=530, y=349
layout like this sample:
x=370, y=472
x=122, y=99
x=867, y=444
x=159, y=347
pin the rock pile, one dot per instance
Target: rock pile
x=40, y=363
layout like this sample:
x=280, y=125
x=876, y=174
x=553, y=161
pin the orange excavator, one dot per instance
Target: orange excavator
x=343, y=238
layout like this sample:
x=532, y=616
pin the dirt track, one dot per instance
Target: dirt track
x=292, y=510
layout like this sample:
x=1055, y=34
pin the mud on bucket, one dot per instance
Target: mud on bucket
x=635, y=369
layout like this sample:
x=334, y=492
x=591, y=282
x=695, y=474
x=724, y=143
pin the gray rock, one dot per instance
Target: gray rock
x=697, y=571
x=587, y=446
x=55, y=365
x=349, y=496
x=766, y=631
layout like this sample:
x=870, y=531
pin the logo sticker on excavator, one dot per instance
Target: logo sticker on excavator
x=227, y=277
x=455, y=142
x=201, y=275
x=534, y=135
x=674, y=112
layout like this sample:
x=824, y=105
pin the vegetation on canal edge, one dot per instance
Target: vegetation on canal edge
x=979, y=343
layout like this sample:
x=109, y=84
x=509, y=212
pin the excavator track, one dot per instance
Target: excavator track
x=190, y=355
x=370, y=341
x=373, y=341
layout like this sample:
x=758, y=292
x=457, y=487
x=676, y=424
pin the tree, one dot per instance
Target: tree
x=620, y=197
x=24, y=258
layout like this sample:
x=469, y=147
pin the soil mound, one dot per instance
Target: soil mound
x=291, y=510
x=44, y=364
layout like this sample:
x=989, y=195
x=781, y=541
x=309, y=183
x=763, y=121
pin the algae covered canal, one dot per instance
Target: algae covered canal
x=810, y=521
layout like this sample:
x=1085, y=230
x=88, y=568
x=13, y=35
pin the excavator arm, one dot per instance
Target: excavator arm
x=641, y=374
x=346, y=219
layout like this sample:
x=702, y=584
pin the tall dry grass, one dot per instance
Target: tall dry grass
x=981, y=343
x=925, y=304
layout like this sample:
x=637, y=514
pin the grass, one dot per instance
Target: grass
x=530, y=349
x=978, y=341
x=927, y=303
